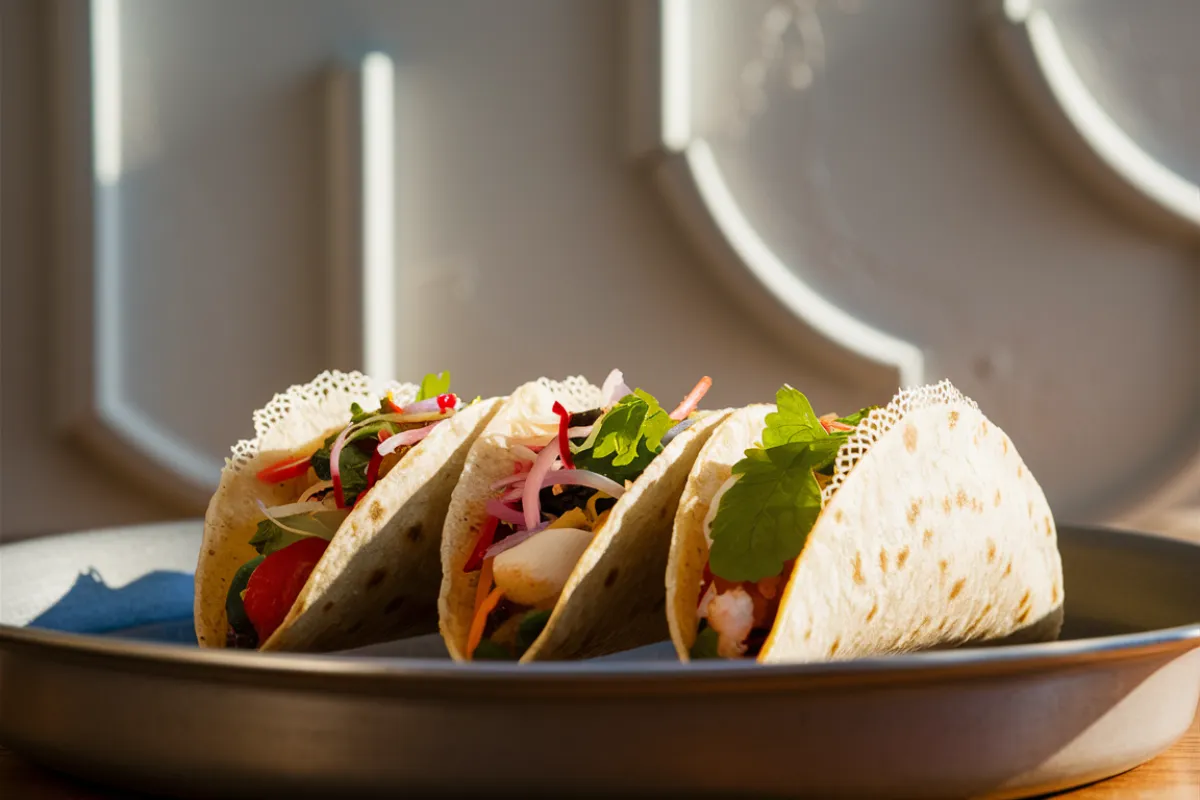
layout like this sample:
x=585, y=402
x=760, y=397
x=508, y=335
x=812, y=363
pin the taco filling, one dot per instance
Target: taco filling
x=758, y=522
x=542, y=518
x=328, y=482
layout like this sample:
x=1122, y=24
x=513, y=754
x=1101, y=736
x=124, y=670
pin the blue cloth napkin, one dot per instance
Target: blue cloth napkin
x=156, y=607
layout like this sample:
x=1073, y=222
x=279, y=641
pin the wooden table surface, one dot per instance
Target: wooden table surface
x=1175, y=775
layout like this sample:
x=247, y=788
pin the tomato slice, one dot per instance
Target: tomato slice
x=277, y=582
x=288, y=468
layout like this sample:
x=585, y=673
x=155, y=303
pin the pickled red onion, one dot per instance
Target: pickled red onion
x=614, y=388
x=510, y=542
x=530, y=504
x=404, y=439
x=504, y=513
x=581, y=477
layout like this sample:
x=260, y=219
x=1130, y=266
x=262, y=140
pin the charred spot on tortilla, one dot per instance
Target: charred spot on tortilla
x=1024, y=615
x=925, y=622
x=927, y=537
x=839, y=515
x=947, y=506
x=1004, y=444
x=914, y=511
x=1054, y=594
x=961, y=498
x=212, y=552
x=874, y=610
x=833, y=648
x=944, y=565
x=956, y=590
x=610, y=578
x=991, y=550
x=883, y=560
x=1025, y=598
x=910, y=438
x=1049, y=526
x=902, y=558
x=953, y=419
x=325, y=609
x=996, y=500
x=376, y=578
x=375, y=511
x=1020, y=471
x=415, y=533
x=394, y=604
x=1008, y=569
x=858, y=573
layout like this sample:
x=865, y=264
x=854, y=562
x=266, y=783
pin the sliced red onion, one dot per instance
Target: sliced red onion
x=580, y=477
x=315, y=489
x=523, y=453
x=504, y=513
x=614, y=388
x=422, y=406
x=579, y=433
x=510, y=542
x=517, y=477
x=530, y=504
x=516, y=493
x=403, y=439
x=292, y=508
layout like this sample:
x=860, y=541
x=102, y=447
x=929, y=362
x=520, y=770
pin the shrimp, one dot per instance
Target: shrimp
x=731, y=615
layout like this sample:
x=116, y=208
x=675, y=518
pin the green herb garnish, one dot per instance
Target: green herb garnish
x=765, y=516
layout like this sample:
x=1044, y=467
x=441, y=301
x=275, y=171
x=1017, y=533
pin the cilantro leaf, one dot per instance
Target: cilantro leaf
x=857, y=416
x=626, y=439
x=793, y=420
x=706, y=643
x=765, y=516
x=434, y=384
x=353, y=466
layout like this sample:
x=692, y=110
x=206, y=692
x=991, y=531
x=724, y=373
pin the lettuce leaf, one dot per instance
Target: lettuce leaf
x=626, y=439
x=434, y=384
x=269, y=537
x=765, y=516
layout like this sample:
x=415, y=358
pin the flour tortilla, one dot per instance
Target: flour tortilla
x=378, y=579
x=613, y=599
x=934, y=533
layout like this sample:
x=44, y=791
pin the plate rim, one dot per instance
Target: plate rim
x=403, y=674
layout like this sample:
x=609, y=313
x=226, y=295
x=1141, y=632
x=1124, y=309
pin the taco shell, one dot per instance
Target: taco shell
x=613, y=599
x=379, y=577
x=933, y=533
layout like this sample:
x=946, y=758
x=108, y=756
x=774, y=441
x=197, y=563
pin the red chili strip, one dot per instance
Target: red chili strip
x=484, y=542
x=564, y=441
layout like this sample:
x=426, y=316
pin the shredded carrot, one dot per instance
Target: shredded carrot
x=692, y=400
x=477, y=624
x=485, y=584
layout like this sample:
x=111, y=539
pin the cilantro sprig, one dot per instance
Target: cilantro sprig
x=765, y=516
x=626, y=439
x=356, y=453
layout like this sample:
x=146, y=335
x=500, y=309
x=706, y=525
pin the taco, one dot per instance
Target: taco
x=914, y=526
x=557, y=533
x=324, y=532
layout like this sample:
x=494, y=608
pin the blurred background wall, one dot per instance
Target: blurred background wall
x=179, y=235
